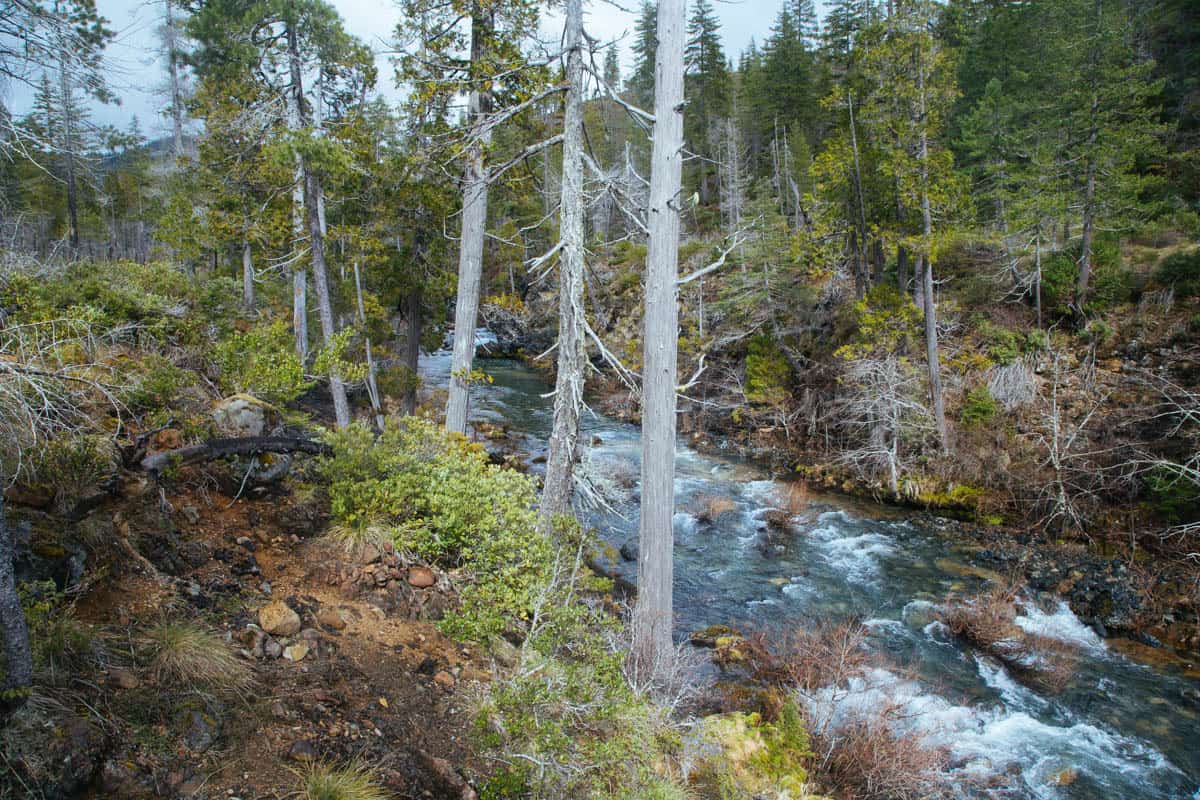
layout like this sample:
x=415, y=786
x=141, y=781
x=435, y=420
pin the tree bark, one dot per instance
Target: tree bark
x=173, y=74
x=1089, y=221
x=18, y=677
x=295, y=100
x=470, y=243
x=248, y=300
x=312, y=190
x=568, y=387
x=925, y=267
x=222, y=448
x=653, y=614
x=861, y=278
x=412, y=349
x=68, y=122
x=311, y=197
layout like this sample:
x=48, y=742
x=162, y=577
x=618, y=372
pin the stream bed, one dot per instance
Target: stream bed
x=1119, y=729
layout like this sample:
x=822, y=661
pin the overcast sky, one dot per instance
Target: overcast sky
x=138, y=78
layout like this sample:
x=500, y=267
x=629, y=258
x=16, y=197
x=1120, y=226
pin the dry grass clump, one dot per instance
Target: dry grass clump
x=710, y=507
x=866, y=760
x=352, y=782
x=987, y=622
x=187, y=656
x=809, y=658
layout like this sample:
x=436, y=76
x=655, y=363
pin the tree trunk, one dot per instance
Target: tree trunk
x=653, y=615
x=1089, y=222
x=312, y=190
x=68, y=122
x=470, y=243
x=925, y=266
x=173, y=74
x=861, y=278
x=18, y=677
x=412, y=349
x=248, y=301
x=372, y=383
x=311, y=197
x=295, y=110
x=568, y=386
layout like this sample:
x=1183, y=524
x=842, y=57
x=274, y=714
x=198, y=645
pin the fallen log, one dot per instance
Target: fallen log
x=156, y=463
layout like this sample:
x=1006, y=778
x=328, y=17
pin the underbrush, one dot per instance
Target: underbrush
x=987, y=622
x=568, y=719
x=867, y=754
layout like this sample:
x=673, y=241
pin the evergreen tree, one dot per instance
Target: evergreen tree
x=640, y=84
x=707, y=89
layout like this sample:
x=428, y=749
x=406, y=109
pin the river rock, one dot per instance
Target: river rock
x=302, y=751
x=629, y=550
x=278, y=619
x=708, y=636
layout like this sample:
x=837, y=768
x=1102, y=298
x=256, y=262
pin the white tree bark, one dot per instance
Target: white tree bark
x=316, y=242
x=568, y=388
x=248, y=300
x=172, y=37
x=654, y=612
x=925, y=268
x=294, y=101
x=470, y=245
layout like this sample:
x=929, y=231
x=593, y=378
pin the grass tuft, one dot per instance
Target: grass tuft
x=352, y=782
x=186, y=656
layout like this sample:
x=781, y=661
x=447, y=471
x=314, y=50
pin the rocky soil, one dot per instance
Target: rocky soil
x=345, y=659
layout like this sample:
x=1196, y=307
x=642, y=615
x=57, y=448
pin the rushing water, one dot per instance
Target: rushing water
x=1119, y=726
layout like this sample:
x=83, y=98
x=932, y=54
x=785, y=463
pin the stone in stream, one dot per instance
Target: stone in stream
x=708, y=637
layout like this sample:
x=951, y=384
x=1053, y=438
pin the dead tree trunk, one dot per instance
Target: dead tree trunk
x=654, y=612
x=316, y=240
x=470, y=243
x=925, y=267
x=295, y=102
x=568, y=387
x=171, y=35
x=248, y=300
x=412, y=349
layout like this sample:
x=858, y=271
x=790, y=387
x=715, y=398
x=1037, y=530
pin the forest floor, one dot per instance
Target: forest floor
x=360, y=676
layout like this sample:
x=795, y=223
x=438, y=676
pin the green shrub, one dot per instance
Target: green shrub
x=1182, y=271
x=155, y=383
x=768, y=373
x=979, y=408
x=1004, y=345
x=1111, y=282
x=436, y=495
x=1171, y=496
x=72, y=466
x=58, y=640
x=883, y=322
x=262, y=362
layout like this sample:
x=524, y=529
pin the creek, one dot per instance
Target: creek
x=1119, y=729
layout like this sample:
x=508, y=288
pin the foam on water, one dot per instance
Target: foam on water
x=684, y=523
x=986, y=740
x=1060, y=624
x=1014, y=694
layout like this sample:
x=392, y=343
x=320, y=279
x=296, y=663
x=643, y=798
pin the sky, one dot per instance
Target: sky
x=138, y=78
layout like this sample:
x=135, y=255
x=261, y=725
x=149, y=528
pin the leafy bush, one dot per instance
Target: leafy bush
x=1181, y=271
x=436, y=495
x=156, y=382
x=768, y=373
x=262, y=362
x=57, y=638
x=979, y=408
x=883, y=322
x=1004, y=345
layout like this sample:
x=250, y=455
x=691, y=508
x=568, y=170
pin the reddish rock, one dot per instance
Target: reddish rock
x=421, y=577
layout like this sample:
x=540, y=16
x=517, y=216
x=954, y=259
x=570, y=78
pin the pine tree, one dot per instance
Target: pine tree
x=708, y=90
x=640, y=84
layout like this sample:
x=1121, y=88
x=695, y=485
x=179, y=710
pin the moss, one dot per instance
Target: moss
x=748, y=757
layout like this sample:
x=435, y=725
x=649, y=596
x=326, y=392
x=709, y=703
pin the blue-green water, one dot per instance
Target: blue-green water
x=1122, y=727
